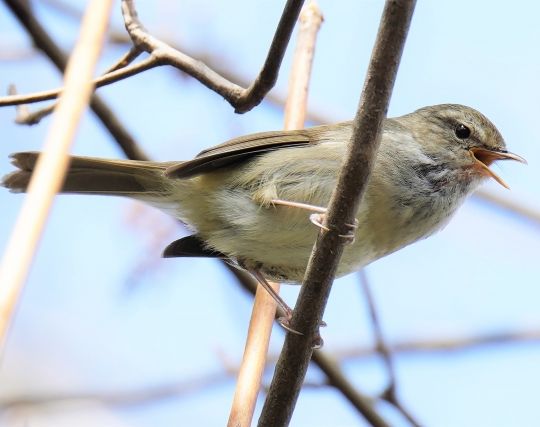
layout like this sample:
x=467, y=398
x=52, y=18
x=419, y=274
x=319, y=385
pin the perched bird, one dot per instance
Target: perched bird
x=246, y=199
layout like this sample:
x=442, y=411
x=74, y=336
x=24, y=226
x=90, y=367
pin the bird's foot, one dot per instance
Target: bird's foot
x=319, y=219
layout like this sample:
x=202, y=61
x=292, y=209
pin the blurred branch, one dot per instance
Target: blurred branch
x=144, y=395
x=446, y=345
x=53, y=161
x=45, y=43
x=241, y=99
x=307, y=317
x=327, y=363
x=512, y=206
x=390, y=393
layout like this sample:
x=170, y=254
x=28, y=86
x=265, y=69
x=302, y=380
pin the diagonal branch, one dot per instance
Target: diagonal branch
x=241, y=99
x=44, y=42
x=297, y=350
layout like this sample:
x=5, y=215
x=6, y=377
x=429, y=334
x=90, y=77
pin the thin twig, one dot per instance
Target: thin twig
x=264, y=308
x=307, y=317
x=123, y=398
x=296, y=104
x=103, y=80
x=506, y=203
x=35, y=117
x=44, y=42
x=390, y=392
x=254, y=359
x=241, y=99
x=328, y=364
x=52, y=164
x=114, y=74
x=161, y=53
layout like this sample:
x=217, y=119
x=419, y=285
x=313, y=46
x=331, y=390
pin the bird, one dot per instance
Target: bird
x=246, y=200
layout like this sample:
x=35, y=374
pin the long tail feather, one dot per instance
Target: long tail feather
x=90, y=175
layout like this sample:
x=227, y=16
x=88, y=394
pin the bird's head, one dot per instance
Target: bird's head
x=462, y=137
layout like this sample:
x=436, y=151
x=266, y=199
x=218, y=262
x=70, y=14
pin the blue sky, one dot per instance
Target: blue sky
x=84, y=324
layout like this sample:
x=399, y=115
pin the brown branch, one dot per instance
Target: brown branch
x=297, y=350
x=45, y=43
x=113, y=76
x=34, y=118
x=241, y=99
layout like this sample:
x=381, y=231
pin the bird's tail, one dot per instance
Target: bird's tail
x=89, y=175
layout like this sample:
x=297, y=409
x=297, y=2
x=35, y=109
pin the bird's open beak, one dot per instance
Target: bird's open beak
x=484, y=158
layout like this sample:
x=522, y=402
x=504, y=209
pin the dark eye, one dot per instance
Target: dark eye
x=462, y=131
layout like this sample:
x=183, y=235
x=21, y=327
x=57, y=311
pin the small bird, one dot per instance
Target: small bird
x=246, y=199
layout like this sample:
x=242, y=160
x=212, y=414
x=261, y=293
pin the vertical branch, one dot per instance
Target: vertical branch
x=296, y=104
x=264, y=307
x=297, y=350
x=52, y=164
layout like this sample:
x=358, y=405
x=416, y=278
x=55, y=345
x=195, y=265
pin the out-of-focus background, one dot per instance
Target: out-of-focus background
x=109, y=334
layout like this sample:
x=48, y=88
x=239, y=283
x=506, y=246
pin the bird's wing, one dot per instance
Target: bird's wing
x=190, y=246
x=239, y=149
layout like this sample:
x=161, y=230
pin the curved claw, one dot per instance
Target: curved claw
x=318, y=342
x=350, y=236
x=285, y=321
x=317, y=219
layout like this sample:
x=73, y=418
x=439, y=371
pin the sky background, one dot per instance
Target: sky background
x=102, y=314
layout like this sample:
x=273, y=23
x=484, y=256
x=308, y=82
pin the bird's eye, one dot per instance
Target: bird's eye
x=462, y=131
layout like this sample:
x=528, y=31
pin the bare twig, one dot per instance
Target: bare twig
x=510, y=205
x=52, y=164
x=44, y=42
x=297, y=350
x=113, y=76
x=264, y=308
x=328, y=364
x=35, y=117
x=296, y=104
x=241, y=99
x=254, y=359
x=445, y=345
x=161, y=53
x=122, y=398
x=22, y=110
x=390, y=393
x=116, y=72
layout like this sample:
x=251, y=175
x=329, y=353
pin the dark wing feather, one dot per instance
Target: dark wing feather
x=238, y=149
x=190, y=246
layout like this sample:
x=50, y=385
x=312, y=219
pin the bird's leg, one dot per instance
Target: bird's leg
x=318, y=217
x=285, y=320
